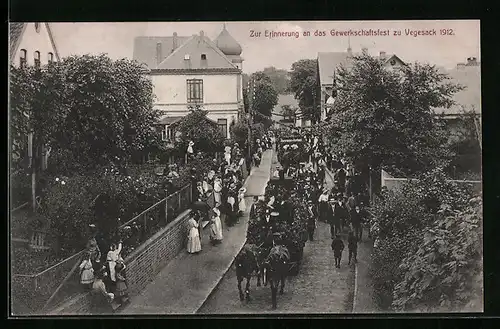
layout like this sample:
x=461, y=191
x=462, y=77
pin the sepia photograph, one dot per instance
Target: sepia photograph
x=245, y=168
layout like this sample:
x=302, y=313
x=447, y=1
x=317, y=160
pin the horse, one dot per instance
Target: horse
x=275, y=270
x=247, y=263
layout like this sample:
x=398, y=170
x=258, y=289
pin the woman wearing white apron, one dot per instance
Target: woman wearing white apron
x=217, y=191
x=194, y=243
x=242, y=206
x=216, y=228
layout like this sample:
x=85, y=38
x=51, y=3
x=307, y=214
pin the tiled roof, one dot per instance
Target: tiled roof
x=173, y=59
x=195, y=47
x=15, y=29
x=470, y=97
x=145, y=48
x=328, y=62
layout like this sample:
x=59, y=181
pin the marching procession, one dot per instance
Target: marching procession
x=296, y=197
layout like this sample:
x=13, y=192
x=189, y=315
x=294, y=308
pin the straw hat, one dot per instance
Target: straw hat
x=275, y=214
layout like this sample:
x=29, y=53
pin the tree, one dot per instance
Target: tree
x=202, y=131
x=279, y=78
x=385, y=117
x=304, y=83
x=111, y=113
x=264, y=100
x=403, y=218
x=239, y=131
x=37, y=104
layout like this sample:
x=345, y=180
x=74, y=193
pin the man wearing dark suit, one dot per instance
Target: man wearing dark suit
x=311, y=223
x=334, y=219
x=340, y=214
x=356, y=220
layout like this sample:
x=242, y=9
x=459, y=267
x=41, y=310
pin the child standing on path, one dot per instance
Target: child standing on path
x=87, y=272
x=337, y=247
x=121, y=291
x=352, y=245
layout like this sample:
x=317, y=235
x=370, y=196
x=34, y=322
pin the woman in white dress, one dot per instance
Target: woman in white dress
x=216, y=227
x=194, y=243
x=112, y=258
x=217, y=191
x=242, y=207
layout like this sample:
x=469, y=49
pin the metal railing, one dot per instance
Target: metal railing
x=61, y=281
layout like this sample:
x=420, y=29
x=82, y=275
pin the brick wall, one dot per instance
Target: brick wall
x=143, y=264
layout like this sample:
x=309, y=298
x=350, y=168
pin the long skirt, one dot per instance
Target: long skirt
x=242, y=206
x=194, y=243
x=216, y=230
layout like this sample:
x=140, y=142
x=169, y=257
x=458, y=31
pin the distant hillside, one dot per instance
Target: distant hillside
x=279, y=78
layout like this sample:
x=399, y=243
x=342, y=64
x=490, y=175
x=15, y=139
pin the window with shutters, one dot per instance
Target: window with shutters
x=195, y=91
x=51, y=57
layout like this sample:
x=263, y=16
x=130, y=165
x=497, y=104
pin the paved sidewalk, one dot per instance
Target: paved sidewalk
x=186, y=282
x=363, y=299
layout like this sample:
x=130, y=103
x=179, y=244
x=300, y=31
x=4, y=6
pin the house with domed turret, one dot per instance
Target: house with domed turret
x=194, y=72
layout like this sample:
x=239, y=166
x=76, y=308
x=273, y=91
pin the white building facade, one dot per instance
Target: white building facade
x=31, y=44
x=194, y=72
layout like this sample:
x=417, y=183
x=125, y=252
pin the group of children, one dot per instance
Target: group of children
x=107, y=282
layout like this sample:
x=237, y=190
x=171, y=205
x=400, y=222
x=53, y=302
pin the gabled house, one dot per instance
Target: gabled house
x=467, y=75
x=189, y=72
x=31, y=44
x=329, y=62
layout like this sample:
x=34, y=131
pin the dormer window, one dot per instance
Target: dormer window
x=203, y=57
x=37, y=59
x=50, y=57
x=23, y=58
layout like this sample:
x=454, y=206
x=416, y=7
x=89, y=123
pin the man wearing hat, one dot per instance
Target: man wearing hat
x=311, y=222
x=334, y=219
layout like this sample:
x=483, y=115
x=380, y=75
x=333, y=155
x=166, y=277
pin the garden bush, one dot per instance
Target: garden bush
x=404, y=217
x=440, y=275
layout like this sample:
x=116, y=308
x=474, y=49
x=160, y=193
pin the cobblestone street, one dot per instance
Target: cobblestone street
x=318, y=288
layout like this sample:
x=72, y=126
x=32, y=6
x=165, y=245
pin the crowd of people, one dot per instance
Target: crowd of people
x=220, y=194
x=104, y=277
x=342, y=206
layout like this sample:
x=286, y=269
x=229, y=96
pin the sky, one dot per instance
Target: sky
x=461, y=39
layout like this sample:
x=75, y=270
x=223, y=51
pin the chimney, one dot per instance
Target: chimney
x=382, y=54
x=202, y=34
x=349, y=51
x=158, y=53
x=364, y=50
x=175, y=42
